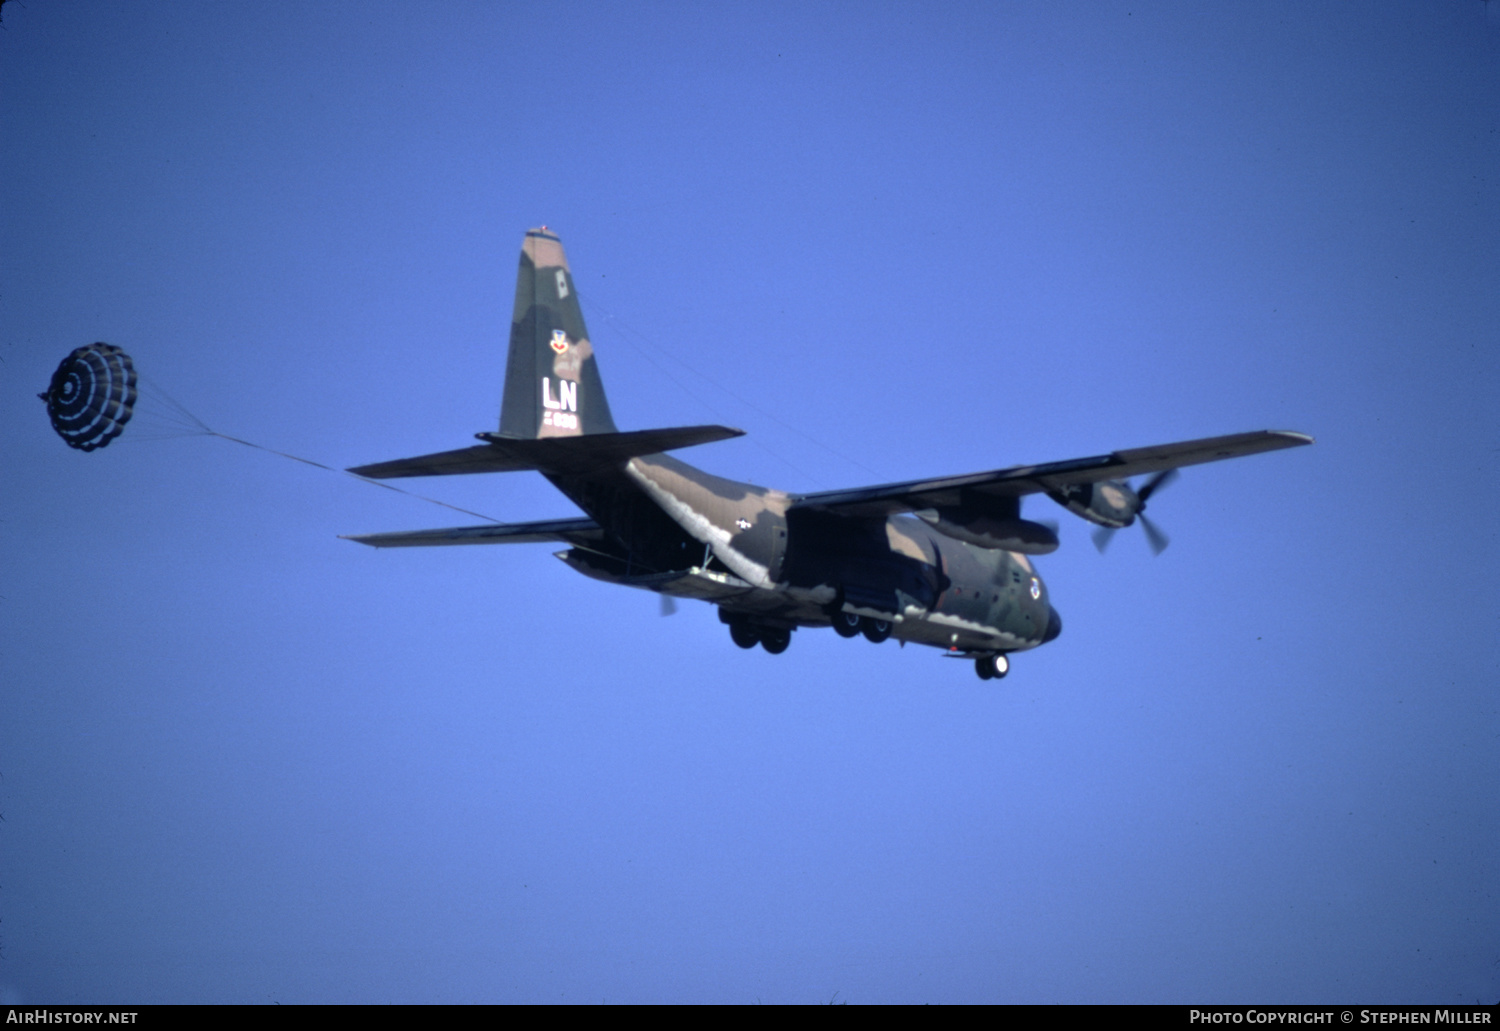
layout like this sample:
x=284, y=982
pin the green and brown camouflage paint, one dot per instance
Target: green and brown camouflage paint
x=941, y=562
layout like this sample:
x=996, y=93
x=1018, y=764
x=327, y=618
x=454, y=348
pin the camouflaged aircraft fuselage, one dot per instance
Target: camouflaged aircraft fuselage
x=941, y=562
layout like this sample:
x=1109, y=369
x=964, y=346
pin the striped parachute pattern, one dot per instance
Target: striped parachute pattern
x=92, y=396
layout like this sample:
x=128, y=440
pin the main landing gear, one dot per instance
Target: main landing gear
x=773, y=639
x=744, y=635
x=847, y=624
x=991, y=667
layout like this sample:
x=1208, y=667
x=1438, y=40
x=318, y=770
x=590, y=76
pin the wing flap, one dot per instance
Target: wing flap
x=1018, y=480
x=578, y=532
x=579, y=454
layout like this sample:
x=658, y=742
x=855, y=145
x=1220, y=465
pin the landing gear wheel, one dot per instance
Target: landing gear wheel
x=744, y=635
x=845, y=624
x=775, y=641
x=875, y=630
x=991, y=667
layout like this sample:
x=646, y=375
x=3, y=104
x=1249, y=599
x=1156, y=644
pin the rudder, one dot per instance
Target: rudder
x=552, y=384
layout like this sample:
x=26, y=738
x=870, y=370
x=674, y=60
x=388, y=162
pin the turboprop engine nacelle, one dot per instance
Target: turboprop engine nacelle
x=1111, y=503
x=1000, y=533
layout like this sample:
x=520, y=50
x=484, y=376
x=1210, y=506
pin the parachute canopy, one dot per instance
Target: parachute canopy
x=92, y=396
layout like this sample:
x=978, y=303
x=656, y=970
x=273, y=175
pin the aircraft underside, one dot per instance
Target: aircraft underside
x=878, y=578
x=760, y=610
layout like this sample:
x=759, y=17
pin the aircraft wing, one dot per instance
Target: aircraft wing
x=947, y=491
x=580, y=532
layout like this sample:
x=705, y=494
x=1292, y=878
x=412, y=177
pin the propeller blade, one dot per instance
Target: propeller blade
x=1102, y=537
x=1159, y=540
x=668, y=605
x=1156, y=483
x=1051, y=524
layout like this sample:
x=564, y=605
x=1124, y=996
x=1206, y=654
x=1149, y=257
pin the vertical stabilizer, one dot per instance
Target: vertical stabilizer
x=552, y=385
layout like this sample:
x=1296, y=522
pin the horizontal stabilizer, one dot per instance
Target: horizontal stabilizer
x=581, y=454
x=581, y=532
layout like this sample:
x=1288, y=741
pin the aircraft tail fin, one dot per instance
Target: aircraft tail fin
x=553, y=415
x=552, y=384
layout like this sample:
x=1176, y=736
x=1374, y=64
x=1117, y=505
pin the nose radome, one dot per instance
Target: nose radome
x=1054, y=625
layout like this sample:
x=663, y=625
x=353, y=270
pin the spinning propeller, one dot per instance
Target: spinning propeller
x=1154, y=535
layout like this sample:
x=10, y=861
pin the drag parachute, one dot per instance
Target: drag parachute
x=92, y=396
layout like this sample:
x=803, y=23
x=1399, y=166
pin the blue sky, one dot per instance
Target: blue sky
x=246, y=761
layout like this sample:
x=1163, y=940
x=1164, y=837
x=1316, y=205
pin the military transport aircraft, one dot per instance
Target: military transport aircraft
x=941, y=562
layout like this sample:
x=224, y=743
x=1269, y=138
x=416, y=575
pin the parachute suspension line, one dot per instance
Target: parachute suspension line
x=194, y=426
x=155, y=391
x=93, y=395
x=346, y=472
x=628, y=330
x=164, y=417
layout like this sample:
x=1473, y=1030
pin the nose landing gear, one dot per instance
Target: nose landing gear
x=991, y=667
